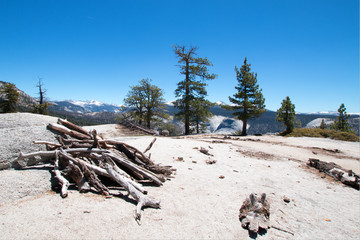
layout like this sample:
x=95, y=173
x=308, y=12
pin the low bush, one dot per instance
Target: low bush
x=324, y=133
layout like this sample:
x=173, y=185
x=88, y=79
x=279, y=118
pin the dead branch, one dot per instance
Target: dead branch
x=63, y=182
x=142, y=200
x=150, y=146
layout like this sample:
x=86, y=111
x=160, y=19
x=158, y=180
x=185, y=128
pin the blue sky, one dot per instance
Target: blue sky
x=84, y=50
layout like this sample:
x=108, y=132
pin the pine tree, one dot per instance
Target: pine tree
x=11, y=98
x=341, y=122
x=192, y=88
x=286, y=115
x=323, y=124
x=248, y=101
x=147, y=102
x=200, y=114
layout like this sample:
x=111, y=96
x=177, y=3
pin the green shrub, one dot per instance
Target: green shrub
x=324, y=133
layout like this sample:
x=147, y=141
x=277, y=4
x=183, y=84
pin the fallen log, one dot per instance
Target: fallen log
x=72, y=126
x=347, y=177
x=65, y=130
x=51, y=154
x=130, y=165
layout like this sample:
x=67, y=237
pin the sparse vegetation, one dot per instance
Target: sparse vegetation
x=324, y=133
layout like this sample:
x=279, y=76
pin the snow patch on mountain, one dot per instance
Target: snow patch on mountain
x=225, y=125
x=316, y=122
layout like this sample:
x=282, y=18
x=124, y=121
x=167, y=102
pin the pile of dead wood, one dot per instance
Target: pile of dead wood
x=88, y=161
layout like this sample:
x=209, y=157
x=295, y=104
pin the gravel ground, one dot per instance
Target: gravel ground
x=18, y=131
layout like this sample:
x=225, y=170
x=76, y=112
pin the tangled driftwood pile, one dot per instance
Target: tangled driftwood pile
x=85, y=159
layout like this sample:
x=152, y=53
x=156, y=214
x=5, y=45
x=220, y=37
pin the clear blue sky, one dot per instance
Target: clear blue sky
x=84, y=50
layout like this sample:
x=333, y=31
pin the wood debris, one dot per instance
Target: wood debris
x=255, y=213
x=348, y=177
x=88, y=161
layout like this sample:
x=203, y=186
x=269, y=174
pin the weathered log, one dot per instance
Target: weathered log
x=255, y=213
x=130, y=165
x=63, y=181
x=123, y=174
x=142, y=156
x=142, y=200
x=102, y=171
x=348, y=177
x=89, y=174
x=75, y=173
x=148, y=131
x=72, y=126
x=65, y=130
x=47, y=143
x=51, y=154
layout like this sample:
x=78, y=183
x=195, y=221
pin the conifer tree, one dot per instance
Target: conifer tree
x=341, y=122
x=147, y=102
x=192, y=88
x=323, y=124
x=286, y=115
x=248, y=100
x=11, y=98
x=200, y=114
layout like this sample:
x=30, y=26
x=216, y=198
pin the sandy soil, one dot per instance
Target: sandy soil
x=197, y=204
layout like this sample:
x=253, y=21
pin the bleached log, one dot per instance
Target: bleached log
x=142, y=156
x=72, y=126
x=90, y=175
x=123, y=174
x=102, y=171
x=47, y=143
x=148, y=131
x=142, y=200
x=144, y=172
x=65, y=130
x=348, y=177
x=74, y=172
x=51, y=154
x=63, y=181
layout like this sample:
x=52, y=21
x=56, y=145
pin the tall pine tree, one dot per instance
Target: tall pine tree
x=192, y=88
x=341, y=122
x=248, y=101
x=286, y=115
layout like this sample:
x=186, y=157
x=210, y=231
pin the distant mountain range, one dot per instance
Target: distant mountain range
x=94, y=112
